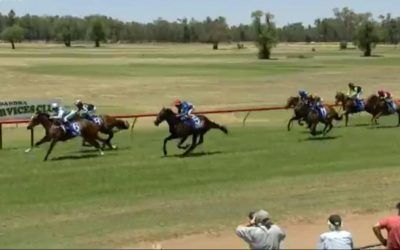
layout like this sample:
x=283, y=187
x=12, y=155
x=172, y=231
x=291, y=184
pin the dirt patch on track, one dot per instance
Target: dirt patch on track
x=300, y=235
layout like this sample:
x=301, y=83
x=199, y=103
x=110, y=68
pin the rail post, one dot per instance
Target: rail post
x=133, y=126
x=245, y=118
x=1, y=136
x=32, y=137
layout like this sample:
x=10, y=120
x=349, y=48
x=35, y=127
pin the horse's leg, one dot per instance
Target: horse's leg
x=45, y=138
x=108, y=140
x=201, y=140
x=193, y=146
x=313, y=127
x=181, y=142
x=376, y=117
x=398, y=114
x=53, y=143
x=346, y=116
x=290, y=122
x=170, y=137
x=96, y=144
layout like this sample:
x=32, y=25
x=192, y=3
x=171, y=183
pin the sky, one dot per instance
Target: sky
x=236, y=11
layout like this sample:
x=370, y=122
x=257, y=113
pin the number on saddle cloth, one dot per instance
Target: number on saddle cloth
x=194, y=121
x=97, y=120
x=74, y=129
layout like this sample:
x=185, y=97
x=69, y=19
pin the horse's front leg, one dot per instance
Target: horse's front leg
x=181, y=142
x=376, y=117
x=193, y=146
x=170, y=137
x=46, y=138
x=346, y=117
x=290, y=122
x=53, y=143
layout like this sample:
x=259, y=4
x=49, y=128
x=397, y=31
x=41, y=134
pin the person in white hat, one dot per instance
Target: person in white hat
x=261, y=232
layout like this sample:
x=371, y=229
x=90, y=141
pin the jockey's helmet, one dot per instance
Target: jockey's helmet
x=177, y=102
x=78, y=103
x=351, y=85
x=54, y=106
x=302, y=92
x=381, y=92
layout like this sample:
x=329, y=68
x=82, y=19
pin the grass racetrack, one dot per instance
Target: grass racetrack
x=133, y=194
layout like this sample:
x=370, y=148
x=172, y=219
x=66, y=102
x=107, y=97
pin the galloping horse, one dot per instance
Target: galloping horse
x=314, y=118
x=300, y=111
x=377, y=108
x=55, y=133
x=348, y=105
x=182, y=130
x=107, y=124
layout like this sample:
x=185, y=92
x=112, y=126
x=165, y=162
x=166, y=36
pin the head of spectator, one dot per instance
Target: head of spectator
x=261, y=218
x=334, y=222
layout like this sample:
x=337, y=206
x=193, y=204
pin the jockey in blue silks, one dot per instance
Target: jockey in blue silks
x=185, y=109
x=304, y=96
x=63, y=115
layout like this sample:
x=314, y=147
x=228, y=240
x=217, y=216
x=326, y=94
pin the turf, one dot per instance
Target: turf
x=81, y=200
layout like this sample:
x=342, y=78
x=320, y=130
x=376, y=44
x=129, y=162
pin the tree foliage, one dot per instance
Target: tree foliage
x=367, y=37
x=266, y=36
x=13, y=34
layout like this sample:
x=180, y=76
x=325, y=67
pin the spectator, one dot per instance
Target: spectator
x=392, y=226
x=260, y=232
x=335, y=238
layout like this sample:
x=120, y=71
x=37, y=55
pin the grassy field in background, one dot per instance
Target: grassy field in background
x=133, y=194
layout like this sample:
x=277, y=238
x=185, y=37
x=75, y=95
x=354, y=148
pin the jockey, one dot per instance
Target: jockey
x=387, y=98
x=303, y=96
x=185, y=109
x=317, y=103
x=355, y=94
x=354, y=91
x=63, y=115
x=86, y=110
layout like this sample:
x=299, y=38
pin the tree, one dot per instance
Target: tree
x=64, y=29
x=218, y=31
x=367, y=37
x=266, y=35
x=11, y=18
x=97, y=31
x=13, y=34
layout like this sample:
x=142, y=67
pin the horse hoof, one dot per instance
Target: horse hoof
x=101, y=153
x=28, y=150
x=114, y=146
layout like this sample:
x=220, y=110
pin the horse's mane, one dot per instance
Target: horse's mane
x=168, y=110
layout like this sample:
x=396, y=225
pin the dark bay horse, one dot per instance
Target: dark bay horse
x=300, y=109
x=180, y=130
x=314, y=118
x=348, y=105
x=107, y=125
x=55, y=133
x=377, y=108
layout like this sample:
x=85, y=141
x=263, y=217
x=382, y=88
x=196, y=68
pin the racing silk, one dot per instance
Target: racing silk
x=59, y=114
x=355, y=92
x=87, y=110
x=303, y=96
x=185, y=109
x=69, y=116
x=385, y=95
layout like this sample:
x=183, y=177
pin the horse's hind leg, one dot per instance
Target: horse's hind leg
x=181, y=142
x=290, y=122
x=108, y=140
x=53, y=143
x=96, y=144
x=193, y=146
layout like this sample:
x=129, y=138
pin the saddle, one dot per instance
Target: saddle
x=193, y=121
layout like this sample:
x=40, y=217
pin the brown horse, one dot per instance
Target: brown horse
x=314, y=118
x=348, y=105
x=55, y=133
x=181, y=130
x=300, y=109
x=377, y=108
x=107, y=125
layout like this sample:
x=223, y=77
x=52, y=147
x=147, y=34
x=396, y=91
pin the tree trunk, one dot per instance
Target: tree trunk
x=67, y=43
x=368, y=49
x=264, y=53
x=215, y=46
x=12, y=44
x=97, y=43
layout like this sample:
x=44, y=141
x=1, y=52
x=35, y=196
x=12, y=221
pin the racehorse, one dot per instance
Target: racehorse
x=40, y=119
x=182, y=130
x=107, y=124
x=348, y=105
x=314, y=118
x=301, y=110
x=377, y=108
x=55, y=133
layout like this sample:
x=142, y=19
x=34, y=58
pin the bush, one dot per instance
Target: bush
x=343, y=45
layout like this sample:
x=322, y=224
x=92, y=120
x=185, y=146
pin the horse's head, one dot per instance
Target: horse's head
x=292, y=102
x=163, y=115
x=38, y=118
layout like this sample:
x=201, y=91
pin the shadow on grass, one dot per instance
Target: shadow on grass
x=75, y=157
x=197, y=154
x=383, y=127
x=354, y=125
x=322, y=138
x=92, y=149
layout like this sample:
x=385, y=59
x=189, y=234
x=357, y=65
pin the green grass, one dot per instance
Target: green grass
x=134, y=194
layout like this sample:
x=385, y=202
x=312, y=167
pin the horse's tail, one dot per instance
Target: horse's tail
x=121, y=124
x=217, y=126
